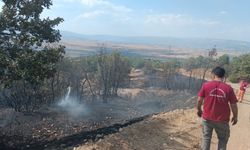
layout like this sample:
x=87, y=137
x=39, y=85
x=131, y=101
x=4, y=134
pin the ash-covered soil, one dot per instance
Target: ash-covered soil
x=51, y=127
x=176, y=130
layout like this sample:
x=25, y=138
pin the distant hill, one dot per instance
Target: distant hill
x=182, y=43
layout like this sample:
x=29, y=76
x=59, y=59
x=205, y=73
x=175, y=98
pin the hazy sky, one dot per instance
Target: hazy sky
x=227, y=19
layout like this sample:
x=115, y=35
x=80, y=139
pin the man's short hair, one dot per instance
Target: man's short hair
x=219, y=72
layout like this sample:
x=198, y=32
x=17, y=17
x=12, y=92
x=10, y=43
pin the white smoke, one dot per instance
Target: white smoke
x=72, y=105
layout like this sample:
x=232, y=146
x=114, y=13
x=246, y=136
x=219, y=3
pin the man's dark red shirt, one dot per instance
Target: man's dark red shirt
x=217, y=96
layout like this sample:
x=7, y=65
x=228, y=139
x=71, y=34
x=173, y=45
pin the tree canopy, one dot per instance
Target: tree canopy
x=240, y=68
x=25, y=49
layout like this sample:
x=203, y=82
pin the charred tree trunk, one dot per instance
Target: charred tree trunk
x=90, y=87
x=53, y=88
x=189, y=80
x=203, y=77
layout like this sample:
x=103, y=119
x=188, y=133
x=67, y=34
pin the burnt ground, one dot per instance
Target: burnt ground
x=53, y=127
x=174, y=130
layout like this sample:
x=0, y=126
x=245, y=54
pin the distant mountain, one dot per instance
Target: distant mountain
x=189, y=43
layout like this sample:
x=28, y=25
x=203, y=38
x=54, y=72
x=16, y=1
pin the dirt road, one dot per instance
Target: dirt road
x=240, y=134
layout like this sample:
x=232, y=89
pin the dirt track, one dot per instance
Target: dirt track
x=240, y=134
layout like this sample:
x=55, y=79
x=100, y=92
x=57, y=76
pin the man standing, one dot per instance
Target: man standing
x=243, y=86
x=217, y=97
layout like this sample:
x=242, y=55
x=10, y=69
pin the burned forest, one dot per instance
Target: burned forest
x=50, y=99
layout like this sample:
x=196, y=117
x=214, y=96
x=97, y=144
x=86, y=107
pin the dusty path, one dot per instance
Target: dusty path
x=240, y=134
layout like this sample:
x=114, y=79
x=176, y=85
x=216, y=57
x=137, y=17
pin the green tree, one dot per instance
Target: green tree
x=200, y=62
x=240, y=68
x=189, y=65
x=26, y=56
x=137, y=62
x=113, y=70
x=169, y=69
x=223, y=60
x=24, y=39
x=204, y=63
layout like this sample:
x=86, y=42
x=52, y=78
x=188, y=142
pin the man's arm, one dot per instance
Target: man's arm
x=234, y=109
x=199, y=105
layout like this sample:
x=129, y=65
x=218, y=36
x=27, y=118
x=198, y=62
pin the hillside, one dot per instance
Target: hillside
x=149, y=47
x=176, y=43
x=189, y=43
x=175, y=130
x=76, y=48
